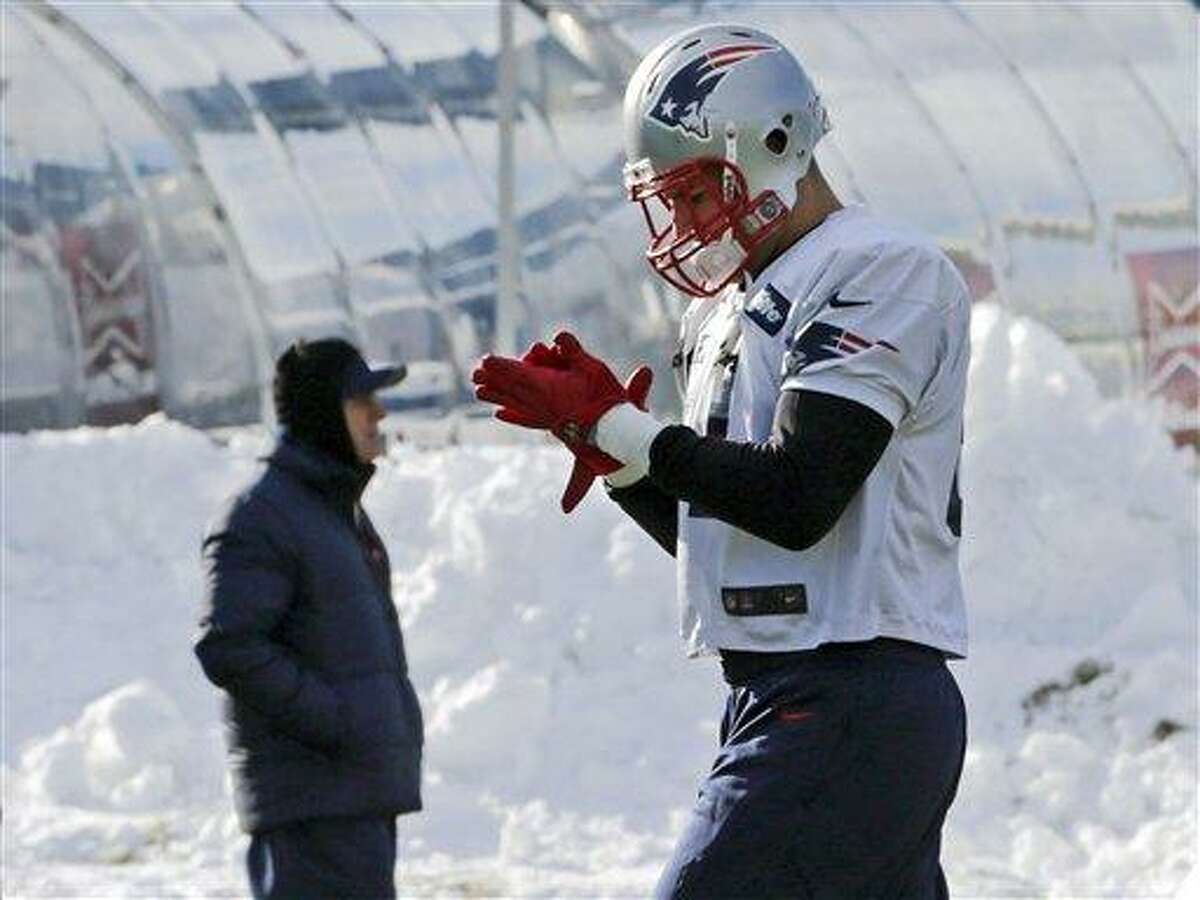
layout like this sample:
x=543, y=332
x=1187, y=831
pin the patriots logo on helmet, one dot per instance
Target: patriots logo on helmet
x=681, y=103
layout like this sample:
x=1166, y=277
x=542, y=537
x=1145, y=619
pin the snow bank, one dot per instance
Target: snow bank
x=566, y=732
x=1080, y=560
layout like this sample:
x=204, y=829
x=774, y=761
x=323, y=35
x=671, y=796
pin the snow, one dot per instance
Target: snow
x=566, y=730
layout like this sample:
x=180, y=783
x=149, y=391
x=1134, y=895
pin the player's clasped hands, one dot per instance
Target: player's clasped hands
x=563, y=389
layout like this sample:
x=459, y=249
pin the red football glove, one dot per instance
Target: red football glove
x=537, y=355
x=566, y=394
x=565, y=390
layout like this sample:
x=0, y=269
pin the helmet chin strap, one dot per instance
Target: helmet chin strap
x=719, y=259
x=728, y=184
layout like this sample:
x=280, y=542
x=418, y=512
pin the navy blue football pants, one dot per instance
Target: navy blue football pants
x=321, y=859
x=833, y=780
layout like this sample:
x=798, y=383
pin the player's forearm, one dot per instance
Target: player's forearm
x=655, y=511
x=790, y=490
x=754, y=487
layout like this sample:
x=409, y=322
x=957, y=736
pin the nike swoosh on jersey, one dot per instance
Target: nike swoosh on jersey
x=836, y=302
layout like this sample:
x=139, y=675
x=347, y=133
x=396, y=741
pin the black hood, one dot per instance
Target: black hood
x=309, y=379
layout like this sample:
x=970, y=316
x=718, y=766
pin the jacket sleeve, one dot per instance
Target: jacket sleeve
x=789, y=490
x=655, y=511
x=249, y=585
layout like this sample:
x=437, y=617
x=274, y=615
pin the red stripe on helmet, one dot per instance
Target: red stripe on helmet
x=737, y=49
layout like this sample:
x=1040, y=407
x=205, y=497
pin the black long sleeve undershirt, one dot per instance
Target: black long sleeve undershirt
x=789, y=490
x=655, y=511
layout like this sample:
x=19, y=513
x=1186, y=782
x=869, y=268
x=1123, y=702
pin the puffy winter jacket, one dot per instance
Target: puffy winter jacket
x=299, y=630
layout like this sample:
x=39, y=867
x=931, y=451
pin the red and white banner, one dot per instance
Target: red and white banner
x=107, y=269
x=1169, y=317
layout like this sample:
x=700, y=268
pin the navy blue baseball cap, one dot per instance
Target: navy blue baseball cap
x=359, y=378
x=331, y=367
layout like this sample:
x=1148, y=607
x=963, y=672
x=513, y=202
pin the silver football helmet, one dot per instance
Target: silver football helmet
x=720, y=124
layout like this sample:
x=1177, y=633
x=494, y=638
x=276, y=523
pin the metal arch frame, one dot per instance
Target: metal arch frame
x=507, y=282
x=1134, y=344
x=511, y=257
x=508, y=247
x=1103, y=227
x=182, y=142
x=440, y=122
x=993, y=238
x=509, y=251
x=476, y=167
x=426, y=283
x=581, y=183
x=301, y=54
x=267, y=131
x=1043, y=113
x=298, y=52
x=589, y=40
x=1146, y=93
x=431, y=103
x=594, y=45
x=616, y=57
x=73, y=408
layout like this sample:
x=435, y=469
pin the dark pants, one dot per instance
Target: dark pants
x=321, y=859
x=833, y=780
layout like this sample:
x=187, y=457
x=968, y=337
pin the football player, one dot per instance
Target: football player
x=810, y=495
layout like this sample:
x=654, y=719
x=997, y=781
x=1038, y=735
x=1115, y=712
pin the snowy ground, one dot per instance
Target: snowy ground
x=566, y=732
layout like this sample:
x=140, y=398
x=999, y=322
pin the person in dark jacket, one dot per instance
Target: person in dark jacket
x=299, y=631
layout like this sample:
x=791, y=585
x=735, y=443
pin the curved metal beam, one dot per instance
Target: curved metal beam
x=993, y=238
x=429, y=100
x=297, y=51
x=389, y=199
x=590, y=40
x=1047, y=119
x=1174, y=138
x=266, y=129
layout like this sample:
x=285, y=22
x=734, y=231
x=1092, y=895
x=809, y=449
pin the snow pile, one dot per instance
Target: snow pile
x=1080, y=558
x=131, y=750
x=566, y=732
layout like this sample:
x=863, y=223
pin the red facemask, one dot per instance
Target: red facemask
x=703, y=224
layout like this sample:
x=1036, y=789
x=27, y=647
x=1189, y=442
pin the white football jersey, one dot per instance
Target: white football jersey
x=873, y=312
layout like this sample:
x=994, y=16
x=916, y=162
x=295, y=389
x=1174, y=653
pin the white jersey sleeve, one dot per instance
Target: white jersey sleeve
x=873, y=342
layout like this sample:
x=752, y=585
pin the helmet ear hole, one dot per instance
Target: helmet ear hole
x=776, y=141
